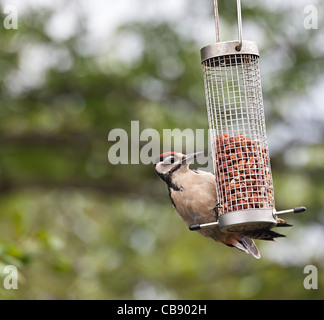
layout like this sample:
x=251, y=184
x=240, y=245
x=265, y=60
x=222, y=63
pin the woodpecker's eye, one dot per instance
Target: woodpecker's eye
x=169, y=160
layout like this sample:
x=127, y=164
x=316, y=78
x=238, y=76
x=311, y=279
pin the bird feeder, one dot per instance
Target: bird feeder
x=241, y=161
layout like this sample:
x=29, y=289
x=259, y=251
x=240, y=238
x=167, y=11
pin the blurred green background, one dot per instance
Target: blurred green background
x=78, y=227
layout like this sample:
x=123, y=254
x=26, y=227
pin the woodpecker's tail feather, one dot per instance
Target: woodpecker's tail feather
x=247, y=245
x=264, y=234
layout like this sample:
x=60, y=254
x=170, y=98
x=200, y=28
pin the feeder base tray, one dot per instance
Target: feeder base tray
x=247, y=220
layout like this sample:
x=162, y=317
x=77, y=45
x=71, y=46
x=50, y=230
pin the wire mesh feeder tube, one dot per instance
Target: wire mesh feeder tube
x=239, y=144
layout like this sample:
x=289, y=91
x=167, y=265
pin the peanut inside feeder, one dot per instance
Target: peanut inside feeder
x=243, y=174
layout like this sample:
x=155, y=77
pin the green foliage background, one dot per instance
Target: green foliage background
x=78, y=227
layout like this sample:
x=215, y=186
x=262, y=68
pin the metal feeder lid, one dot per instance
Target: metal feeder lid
x=228, y=48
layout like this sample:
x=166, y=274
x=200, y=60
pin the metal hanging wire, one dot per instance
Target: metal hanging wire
x=216, y=20
x=239, y=23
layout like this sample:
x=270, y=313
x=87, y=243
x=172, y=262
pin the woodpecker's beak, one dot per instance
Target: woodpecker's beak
x=190, y=157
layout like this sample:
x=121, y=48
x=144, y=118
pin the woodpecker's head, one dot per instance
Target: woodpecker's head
x=170, y=162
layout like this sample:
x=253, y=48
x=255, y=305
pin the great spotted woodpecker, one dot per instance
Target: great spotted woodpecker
x=193, y=196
